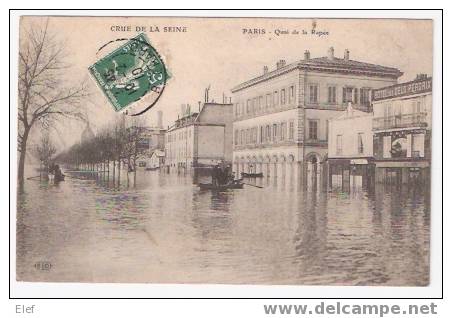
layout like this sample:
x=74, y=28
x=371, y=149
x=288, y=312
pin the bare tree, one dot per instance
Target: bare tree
x=44, y=94
x=45, y=151
x=133, y=148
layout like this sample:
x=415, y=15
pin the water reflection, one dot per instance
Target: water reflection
x=164, y=229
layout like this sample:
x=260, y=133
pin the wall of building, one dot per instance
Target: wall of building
x=322, y=118
x=211, y=144
x=265, y=97
x=156, y=139
x=348, y=126
x=221, y=114
x=179, y=146
x=339, y=81
x=205, y=138
x=264, y=124
x=409, y=105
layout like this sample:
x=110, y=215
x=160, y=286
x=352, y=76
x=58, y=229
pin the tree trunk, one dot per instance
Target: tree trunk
x=114, y=171
x=134, y=171
x=119, y=172
x=128, y=168
x=23, y=152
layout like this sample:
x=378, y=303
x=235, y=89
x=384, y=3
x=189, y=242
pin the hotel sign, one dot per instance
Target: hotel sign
x=404, y=89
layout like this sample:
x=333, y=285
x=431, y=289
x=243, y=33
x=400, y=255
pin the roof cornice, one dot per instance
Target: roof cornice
x=311, y=66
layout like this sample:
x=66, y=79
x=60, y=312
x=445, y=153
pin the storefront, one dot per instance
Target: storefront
x=402, y=132
x=401, y=156
x=402, y=172
x=350, y=174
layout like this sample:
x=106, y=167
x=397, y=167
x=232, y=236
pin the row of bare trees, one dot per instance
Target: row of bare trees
x=115, y=146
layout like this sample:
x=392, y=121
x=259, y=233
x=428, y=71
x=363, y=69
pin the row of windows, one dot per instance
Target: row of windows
x=274, y=132
x=182, y=135
x=349, y=94
x=260, y=103
x=415, y=106
x=287, y=96
x=179, y=153
x=360, y=144
x=264, y=134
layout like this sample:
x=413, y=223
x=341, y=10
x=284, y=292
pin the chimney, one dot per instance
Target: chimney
x=159, y=119
x=346, y=54
x=421, y=76
x=331, y=53
x=307, y=55
x=265, y=69
x=182, y=110
x=280, y=64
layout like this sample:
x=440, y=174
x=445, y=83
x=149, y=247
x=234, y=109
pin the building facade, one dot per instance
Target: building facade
x=281, y=117
x=402, y=131
x=350, y=150
x=200, y=139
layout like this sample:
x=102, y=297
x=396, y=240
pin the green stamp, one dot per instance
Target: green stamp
x=131, y=73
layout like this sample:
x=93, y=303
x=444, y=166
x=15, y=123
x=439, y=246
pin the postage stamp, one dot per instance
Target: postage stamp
x=129, y=73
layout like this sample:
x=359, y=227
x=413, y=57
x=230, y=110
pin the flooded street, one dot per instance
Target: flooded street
x=165, y=230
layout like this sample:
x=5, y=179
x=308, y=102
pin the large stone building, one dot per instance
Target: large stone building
x=200, y=139
x=402, y=131
x=281, y=117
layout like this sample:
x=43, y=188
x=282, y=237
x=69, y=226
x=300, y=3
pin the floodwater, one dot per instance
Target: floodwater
x=165, y=230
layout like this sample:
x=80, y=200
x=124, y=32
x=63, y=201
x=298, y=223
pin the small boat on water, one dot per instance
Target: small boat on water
x=209, y=186
x=252, y=175
x=152, y=168
x=60, y=178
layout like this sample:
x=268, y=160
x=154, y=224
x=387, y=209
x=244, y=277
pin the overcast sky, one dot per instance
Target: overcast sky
x=217, y=52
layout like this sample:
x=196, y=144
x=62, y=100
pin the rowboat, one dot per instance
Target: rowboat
x=252, y=175
x=220, y=187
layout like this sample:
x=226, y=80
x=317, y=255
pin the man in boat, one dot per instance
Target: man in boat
x=215, y=175
x=59, y=176
x=228, y=176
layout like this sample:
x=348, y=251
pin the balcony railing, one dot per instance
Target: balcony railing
x=400, y=121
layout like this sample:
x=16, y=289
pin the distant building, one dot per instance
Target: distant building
x=200, y=139
x=350, y=150
x=281, y=117
x=402, y=131
x=87, y=133
x=151, y=139
x=157, y=159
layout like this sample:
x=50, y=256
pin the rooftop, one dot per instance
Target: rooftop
x=329, y=64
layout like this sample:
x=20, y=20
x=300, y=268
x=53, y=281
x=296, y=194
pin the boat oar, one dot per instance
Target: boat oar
x=253, y=185
x=29, y=178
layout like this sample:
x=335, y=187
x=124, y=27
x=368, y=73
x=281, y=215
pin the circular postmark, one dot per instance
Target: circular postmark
x=133, y=76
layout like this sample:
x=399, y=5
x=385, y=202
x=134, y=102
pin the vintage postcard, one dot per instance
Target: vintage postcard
x=270, y=151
